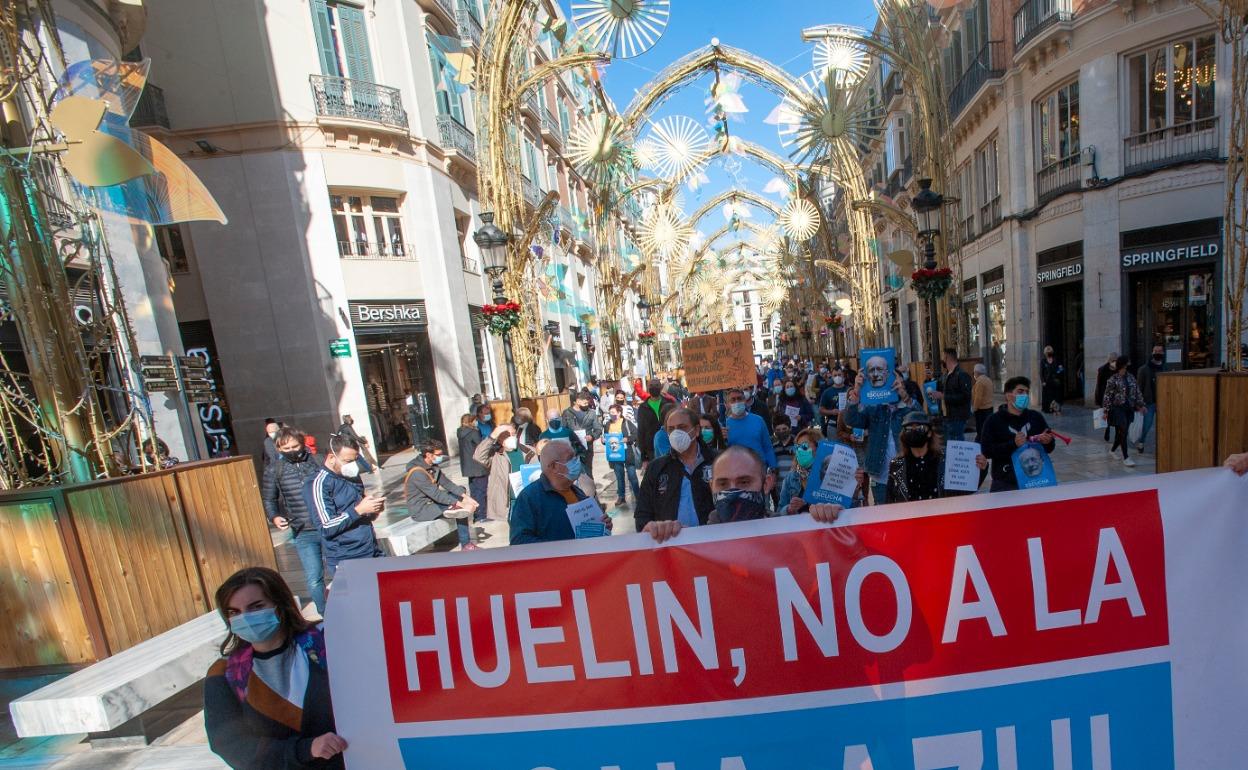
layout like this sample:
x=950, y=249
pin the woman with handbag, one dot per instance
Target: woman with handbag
x=1121, y=401
x=624, y=457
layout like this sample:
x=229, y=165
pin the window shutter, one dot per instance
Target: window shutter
x=355, y=43
x=324, y=40
x=972, y=37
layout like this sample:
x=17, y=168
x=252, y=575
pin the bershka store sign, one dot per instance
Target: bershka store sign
x=1170, y=253
x=388, y=313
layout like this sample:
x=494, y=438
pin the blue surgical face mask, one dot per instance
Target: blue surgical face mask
x=790, y=391
x=1021, y=400
x=574, y=469
x=737, y=409
x=256, y=626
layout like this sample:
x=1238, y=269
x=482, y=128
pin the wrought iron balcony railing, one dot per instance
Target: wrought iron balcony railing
x=357, y=100
x=453, y=135
x=150, y=111
x=990, y=215
x=1038, y=15
x=550, y=125
x=532, y=194
x=362, y=249
x=988, y=64
x=1186, y=142
x=1057, y=178
x=469, y=25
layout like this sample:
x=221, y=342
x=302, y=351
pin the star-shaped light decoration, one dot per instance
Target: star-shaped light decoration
x=598, y=149
x=664, y=232
x=800, y=219
x=840, y=54
x=622, y=28
x=679, y=147
x=829, y=114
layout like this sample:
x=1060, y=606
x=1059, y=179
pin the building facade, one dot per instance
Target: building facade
x=339, y=139
x=1088, y=147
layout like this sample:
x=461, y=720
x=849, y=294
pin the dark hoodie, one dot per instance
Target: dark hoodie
x=997, y=441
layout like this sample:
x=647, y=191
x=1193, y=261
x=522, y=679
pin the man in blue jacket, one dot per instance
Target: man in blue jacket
x=883, y=424
x=340, y=507
x=540, y=512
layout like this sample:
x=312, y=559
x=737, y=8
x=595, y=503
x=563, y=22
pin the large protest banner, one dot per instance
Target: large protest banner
x=718, y=361
x=1087, y=627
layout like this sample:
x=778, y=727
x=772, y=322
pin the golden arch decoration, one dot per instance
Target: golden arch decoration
x=680, y=72
x=731, y=196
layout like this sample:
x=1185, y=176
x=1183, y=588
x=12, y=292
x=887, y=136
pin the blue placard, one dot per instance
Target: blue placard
x=878, y=367
x=933, y=406
x=529, y=473
x=616, y=447
x=1032, y=467
x=831, y=477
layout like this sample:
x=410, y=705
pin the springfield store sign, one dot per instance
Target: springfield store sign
x=388, y=313
x=1164, y=254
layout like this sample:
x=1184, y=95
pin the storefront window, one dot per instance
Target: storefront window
x=1176, y=312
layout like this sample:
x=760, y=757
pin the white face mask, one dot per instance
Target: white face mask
x=349, y=470
x=680, y=441
x=509, y=443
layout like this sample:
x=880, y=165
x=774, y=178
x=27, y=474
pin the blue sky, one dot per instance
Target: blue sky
x=771, y=30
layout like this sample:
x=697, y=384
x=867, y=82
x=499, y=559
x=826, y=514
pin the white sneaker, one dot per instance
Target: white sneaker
x=1127, y=461
x=1113, y=453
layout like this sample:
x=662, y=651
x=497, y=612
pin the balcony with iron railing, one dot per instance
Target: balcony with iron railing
x=989, y=64
x=1035, y=16
x=531, y=105
x=565, y=219
x=362, y=249
x=550, y=126
x=470, y=265
x=532, y=193
x=895, y=182
x=990, y=215
x=1196, y=140
x=337, y=97
x=966, y=228
x=468, y=24
x=453, y=135
x=150, y=111
x=1058, y=178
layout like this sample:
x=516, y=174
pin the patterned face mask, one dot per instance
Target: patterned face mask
x=740, y=505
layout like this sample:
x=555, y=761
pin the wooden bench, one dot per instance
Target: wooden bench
x=120, y=688
x=408, y=536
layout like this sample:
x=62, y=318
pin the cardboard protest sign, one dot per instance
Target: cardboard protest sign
x=832, y=475
x=1032, y=467
x=1088, y=626
x=878, y=366
x=719, y=361
x=961, y=473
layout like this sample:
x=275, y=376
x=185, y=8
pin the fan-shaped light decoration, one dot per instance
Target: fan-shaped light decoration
x=774, y=296
x=598, y=150
x=828, y=113
x=645, y=153
x=800, y=219
x=847, y=59
x=622, y=28
x=664, y=232
x=680, y=145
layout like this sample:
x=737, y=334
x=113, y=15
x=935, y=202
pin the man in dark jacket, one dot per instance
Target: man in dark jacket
x=582, y=419
x=281, y=490
x=469, y=437
x=1147, y=379
x=955, y=392
x=1009, y=428
x=271, y=427
x=1102, y=378
x=340, y=507
x=428, y=491
x=649, y=413
x=347, y=430
x=540, y=512
x=677, y=486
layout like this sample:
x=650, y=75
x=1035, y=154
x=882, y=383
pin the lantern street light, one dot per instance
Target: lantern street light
x=927, y=205
x=493, y=245
x=646, y=306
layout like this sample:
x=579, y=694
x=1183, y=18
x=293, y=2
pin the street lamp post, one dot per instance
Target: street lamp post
x=927, y=205
x=493, y=245
x=646, y=306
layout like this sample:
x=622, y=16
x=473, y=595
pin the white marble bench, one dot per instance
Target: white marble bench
x=107, y=694
x=408, y=536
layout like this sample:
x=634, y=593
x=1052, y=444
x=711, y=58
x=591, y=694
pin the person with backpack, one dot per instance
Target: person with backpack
x=266, y=699
x=430, y=494
x=281, y=491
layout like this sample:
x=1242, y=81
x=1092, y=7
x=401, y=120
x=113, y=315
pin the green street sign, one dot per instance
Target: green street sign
x=340, y=348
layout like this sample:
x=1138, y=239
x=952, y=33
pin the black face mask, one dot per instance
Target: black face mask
x=1157, y=359
x=296, y=455
x=914, y=438
x=740, y=505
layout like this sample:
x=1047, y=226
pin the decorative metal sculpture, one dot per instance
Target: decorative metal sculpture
x=800, y=219
x=599, y=151
x=846, y=59
x=622, y=28
x=679, y=146
x=664, y=232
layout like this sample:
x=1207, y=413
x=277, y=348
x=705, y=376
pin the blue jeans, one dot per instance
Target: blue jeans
x=479, y=490
x=621, y=468
x=308, y=546
x=955, y=430
x=1150, y=416
x=463, y=530
x=879, y=491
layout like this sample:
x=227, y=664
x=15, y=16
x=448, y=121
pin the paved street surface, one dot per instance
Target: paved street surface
x=185, y=746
